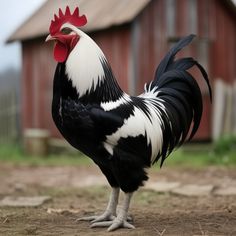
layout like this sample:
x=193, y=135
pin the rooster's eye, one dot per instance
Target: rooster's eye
x=66, y=31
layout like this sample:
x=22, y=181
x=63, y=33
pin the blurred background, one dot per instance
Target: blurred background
x=193, y=194
x=134, y=40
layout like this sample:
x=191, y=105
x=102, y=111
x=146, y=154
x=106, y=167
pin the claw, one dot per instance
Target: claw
x=120, y=224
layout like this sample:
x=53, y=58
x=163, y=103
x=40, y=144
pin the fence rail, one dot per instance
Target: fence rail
x=9, y=116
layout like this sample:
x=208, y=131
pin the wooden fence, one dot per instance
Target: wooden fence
x=224, y=109
x=9, y=117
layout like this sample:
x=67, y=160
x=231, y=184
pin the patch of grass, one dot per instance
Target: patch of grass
x=187, y=158
x=146, y=197
x=221, y=153
x=225, y=144
x=15, y=155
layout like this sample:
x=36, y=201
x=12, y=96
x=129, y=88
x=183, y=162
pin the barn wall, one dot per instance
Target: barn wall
x=135, y=50
x=150, y=38
x=115, y=44
x=162, y=24
x=217, y=29
x=37, y=78
x=223, y=42
x=158, y=27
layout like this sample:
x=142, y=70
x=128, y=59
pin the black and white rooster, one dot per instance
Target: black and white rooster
x=122, y=134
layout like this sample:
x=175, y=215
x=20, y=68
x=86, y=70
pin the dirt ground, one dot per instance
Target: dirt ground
x=80, y=192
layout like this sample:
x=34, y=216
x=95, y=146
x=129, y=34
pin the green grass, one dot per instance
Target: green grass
x=187, y=158
x=183, y=157
x=16, y=156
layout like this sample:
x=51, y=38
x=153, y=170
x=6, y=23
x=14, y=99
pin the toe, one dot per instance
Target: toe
x=103, y=218
x=127, y=225
x=120, y=224
x=101, y=224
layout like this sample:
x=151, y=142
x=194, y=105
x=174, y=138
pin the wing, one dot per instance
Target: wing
x=89, y=119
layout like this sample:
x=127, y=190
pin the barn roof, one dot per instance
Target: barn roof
x=100, y=14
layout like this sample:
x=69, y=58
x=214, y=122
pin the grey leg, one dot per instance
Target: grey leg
x=121, y=220
x=110, y=212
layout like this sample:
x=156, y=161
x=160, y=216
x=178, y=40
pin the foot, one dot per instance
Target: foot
x=110, y=212
x=113, y=225
x=121, y=220
x=106, y=216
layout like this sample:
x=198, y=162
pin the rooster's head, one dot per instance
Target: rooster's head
x=64, y=31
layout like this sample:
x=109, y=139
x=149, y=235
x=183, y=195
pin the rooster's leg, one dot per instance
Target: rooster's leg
x=121, y=221
x=110, y=212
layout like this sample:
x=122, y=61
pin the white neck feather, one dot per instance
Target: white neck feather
x=83, y=66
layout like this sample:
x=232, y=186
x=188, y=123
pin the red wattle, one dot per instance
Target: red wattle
x=60, y=52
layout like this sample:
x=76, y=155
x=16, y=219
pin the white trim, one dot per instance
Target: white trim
x=110, y=105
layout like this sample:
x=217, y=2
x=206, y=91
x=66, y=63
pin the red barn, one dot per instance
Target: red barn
x=134, y=36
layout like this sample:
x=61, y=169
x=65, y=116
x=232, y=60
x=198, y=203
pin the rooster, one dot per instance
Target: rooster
x=124, y=135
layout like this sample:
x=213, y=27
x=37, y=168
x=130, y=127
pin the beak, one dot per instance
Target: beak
x=49, y=38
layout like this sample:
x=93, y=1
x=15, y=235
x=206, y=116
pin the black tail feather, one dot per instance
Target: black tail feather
x=182, y=98
x=169, y=58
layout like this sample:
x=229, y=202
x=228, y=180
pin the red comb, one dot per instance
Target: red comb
x=75, y=19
